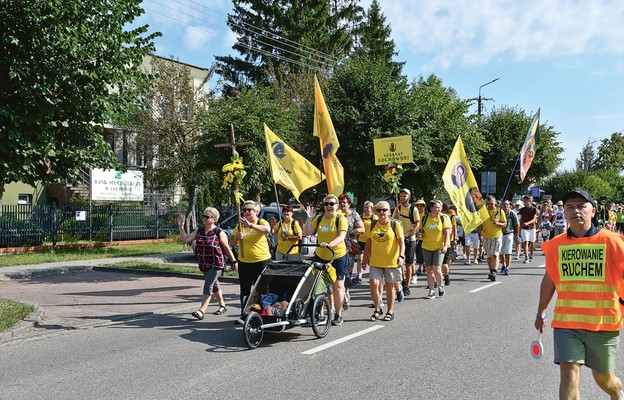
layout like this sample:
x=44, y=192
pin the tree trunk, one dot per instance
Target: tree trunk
x=191, y=216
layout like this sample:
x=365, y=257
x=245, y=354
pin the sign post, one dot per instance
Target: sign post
x=393, y=150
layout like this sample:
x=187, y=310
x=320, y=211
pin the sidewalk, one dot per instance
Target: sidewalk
x=80, y=294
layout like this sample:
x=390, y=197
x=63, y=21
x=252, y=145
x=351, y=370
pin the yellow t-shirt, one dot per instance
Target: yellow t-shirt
x=255, y=244
x=385, y=245
x=367, y=221
x=289, y=229
x=401, y=214
x=488, y=229
x=433, y=231
x=327, y=231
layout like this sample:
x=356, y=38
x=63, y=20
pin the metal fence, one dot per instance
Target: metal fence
x=28, y=225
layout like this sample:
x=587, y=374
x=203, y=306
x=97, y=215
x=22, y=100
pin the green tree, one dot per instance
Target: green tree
x=169, y=131
x=611, y=152
x=594, y=182
x=375, y=39
x=505, y=129
x=68, y=67
x=587, y=158
x=288, y=35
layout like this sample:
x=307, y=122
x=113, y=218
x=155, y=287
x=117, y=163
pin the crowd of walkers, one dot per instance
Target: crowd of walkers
x=416, y=238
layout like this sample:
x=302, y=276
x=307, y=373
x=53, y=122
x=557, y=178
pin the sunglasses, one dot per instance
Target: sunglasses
x=207, y=216
x=380, y=210
x=329, y=204
x=248, y=209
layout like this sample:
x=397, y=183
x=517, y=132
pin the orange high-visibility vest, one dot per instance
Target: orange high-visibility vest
x=587, y=273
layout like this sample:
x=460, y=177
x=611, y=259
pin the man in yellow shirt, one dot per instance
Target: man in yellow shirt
x=408, y=215
x=492, y=232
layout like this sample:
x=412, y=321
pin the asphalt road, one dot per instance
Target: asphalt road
x=471, y=344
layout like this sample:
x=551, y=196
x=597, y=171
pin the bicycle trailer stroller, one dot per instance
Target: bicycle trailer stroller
x=288, y=294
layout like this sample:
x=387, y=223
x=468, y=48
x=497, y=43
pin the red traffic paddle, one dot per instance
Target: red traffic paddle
x=537, y=348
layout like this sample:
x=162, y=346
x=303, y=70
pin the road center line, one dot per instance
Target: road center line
x=484, y=287
x=342, y=340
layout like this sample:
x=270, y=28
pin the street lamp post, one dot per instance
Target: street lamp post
x=480, y=99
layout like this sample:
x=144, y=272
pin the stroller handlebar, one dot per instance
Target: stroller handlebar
x=313, y=245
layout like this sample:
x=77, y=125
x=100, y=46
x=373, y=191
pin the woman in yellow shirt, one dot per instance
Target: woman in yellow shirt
x=436, y=238
x=288, y=233
x=253, y=253
x=368, y=216
x=331, y=229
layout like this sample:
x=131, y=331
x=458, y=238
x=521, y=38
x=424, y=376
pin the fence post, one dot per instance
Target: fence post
x=110, y=221
x=157, y=219
x=54, y=224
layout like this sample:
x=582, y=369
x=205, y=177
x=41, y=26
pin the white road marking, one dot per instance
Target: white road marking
x=485, y=287
x=342, y=340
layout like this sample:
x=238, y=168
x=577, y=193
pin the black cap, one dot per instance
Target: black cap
x=578, y=193
x=527, y=197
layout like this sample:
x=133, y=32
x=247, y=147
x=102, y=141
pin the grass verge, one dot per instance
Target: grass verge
x=11, y=312
x=39, y=257
x=150, y=266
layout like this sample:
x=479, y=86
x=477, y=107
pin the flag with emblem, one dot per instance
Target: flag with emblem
x=289, y=168
x=324, y=130
x=462, y=188
x=527, y=153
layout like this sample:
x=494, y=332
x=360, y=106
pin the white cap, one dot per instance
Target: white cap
x=406, y=191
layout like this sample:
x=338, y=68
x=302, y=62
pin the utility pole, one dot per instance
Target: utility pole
x=480, y=99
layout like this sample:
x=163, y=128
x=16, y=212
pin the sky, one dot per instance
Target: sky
x=565, y=57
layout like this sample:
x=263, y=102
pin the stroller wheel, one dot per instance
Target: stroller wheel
x=321, y=316
x=252, y=330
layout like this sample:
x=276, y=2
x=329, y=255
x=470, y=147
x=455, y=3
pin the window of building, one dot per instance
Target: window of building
x=24, y=199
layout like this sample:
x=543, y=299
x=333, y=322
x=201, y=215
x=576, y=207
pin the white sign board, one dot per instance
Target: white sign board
x=111, y=185
x=81, y=215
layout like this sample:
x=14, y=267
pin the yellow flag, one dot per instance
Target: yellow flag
x=324, y=130
x=462, y=187
x=289, y=168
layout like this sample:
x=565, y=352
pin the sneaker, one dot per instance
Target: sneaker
x=476, y=261
x=531, y=258
x=517, y=257
x=431, y=295
x=447, y=281
x=441, y=291
x=419, y=272
x=346, y=304
x=467, y=262
x=492, y=275
x=406, y=290
x=506, y=271
x=526, y=260
x=399, y=296
x=358, y=280
x=337, y=320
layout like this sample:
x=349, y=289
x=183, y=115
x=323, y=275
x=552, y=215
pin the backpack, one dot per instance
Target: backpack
x=411, y=213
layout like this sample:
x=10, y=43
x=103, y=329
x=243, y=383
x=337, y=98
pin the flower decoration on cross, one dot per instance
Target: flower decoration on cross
x=392, y=177
x=234, y=175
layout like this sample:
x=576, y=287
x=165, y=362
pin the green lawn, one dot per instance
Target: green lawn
x=39, y=257
x=11, y=312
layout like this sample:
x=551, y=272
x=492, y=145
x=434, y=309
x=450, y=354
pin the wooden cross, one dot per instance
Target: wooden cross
x=233, y=143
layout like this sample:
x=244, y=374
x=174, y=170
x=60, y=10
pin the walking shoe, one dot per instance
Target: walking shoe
x=476, y=261
x=526, y=260
x=399, y=296
x=492, y=275
x=517, y=257
x=467, y=262
x=431, y=295
x=346, y=303
x=441, y=291
x=506, y=271
x=406, y=290
x=419, y=272
x=337, y=320
x=531, y=258
x=447, y=281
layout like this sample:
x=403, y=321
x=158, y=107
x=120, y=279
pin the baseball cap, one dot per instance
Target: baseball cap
x=406, y=191
x=518, y=202
x=527, y=197
x=421, y=201
x=560, y=203
x=579, y=193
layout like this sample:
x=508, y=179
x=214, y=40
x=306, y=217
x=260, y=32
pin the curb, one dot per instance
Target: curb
x=26, y=324
x=222, y=279
x=37, y=272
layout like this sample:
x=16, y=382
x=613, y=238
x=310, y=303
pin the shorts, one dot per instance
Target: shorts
x=507, y=244
x=362, y=246
x=596, y=350
x=211, y=281
x=433, y=258
x=527, y=235
x=472, y=239
x=419, y=253
x=340, y=264
x=390, y=275
x=492, y=246
x=559, y=230
x=410, y=247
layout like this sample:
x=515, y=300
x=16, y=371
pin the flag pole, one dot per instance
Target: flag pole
x=513, y=170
